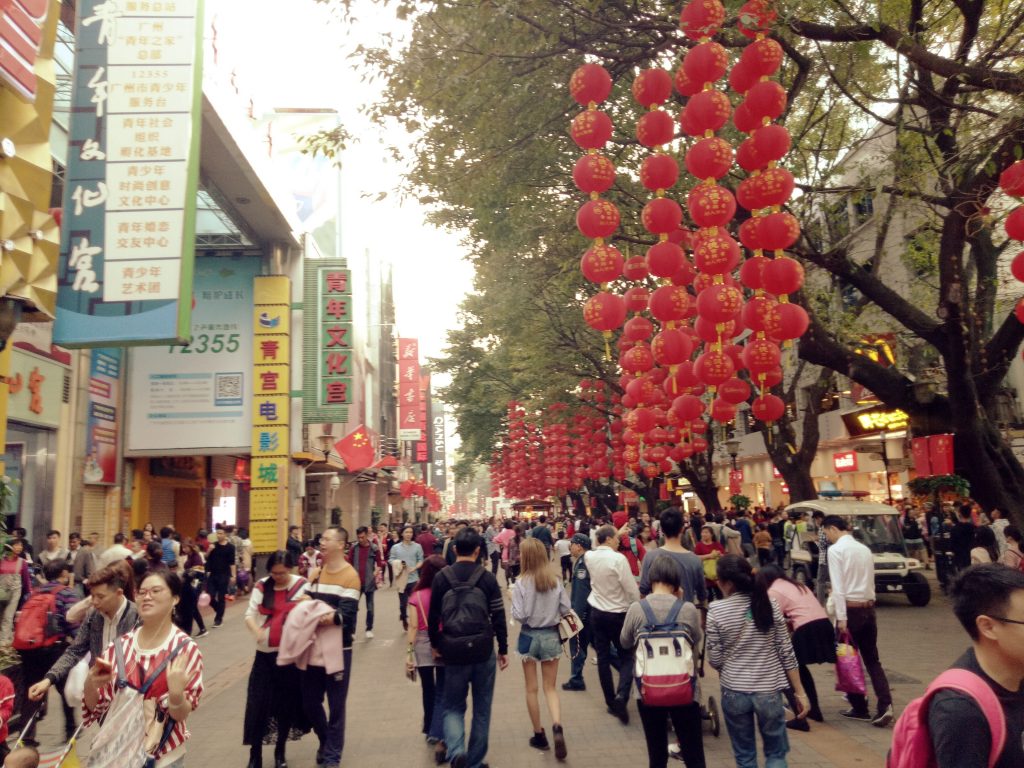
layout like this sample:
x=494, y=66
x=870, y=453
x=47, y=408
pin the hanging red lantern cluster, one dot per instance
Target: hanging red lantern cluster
x=597, y=219
x=518, y=468
x=1011, y=181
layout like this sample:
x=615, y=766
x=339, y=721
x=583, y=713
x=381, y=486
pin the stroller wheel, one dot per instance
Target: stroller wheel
x=716, y=725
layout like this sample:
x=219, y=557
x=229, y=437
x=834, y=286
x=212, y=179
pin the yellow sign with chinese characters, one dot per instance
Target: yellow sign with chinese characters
x=271, y=411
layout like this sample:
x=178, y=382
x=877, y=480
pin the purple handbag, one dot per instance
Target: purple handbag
x=849, y=672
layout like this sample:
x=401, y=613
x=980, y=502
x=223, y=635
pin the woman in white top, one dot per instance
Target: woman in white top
x=538, y=603
x=985, y=550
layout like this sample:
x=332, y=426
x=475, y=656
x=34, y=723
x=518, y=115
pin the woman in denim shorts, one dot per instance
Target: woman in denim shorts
x=538, y=602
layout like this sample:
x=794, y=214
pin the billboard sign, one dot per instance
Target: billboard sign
x=102, y=420
x=327, y=321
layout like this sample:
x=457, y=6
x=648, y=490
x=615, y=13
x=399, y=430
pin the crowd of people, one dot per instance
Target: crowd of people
x=715, y=589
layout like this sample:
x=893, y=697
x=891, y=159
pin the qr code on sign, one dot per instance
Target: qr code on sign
x=227, y=389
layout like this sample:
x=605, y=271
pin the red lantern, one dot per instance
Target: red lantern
x=1017, y=266
x=783, y=276
x=597, y=218
x=722, y=411
x=710, y=205
x=714, y=252
x=659, y=172
x=705, y=111
x=752, y=273
x=766, y=99
x=706, y=63
x=684, y=85
x=756, y=16
x=671, y=347
x=761, y=313
x=770, y=378
x=637, y=360
x=699, y=445
x=710, y=331
x=652, y=87
x=734, y=391
x=637, y=328
x=793, y=321
x=779, y=231
x=604, y=311
x=748, y=158
x=714, y=367
x=702, y=19
x=768, y=408
x=594, y=173
x=1011, y=180
x=761, y=355
x=744, y=119
x=669, y=303
x=771, y=142
x=637, y=298
x=688, y=407
x=655, y=128
x=750, y=234
x=709, y=158
x=661, y=216
x=601, y=264
x=635, y=269
x=665, y=259
x=1015, y=224
x=720, y=303
x=640, y=420
x=591, y=129
x=771, y=187
x=763, y=57
x=685, y=274
x=590, y=83
x=742, y=77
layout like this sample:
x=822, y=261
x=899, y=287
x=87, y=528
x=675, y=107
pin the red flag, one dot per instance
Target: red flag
x=940, y=451
x=922, y=461
x=356, y=449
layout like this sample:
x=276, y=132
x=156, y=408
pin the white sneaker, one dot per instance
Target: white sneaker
x=369, y=634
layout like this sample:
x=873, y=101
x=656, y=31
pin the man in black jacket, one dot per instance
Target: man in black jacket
x=468, y=655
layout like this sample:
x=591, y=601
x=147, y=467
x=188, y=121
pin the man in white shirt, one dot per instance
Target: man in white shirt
x=851, y=571
x=613, y=590
x=117, y=552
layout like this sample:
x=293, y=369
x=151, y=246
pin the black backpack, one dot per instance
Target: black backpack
x=468, y=637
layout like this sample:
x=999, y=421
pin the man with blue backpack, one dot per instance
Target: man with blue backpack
x=972, y=714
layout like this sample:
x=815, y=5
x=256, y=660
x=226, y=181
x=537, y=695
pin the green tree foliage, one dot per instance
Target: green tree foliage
x=925, y=97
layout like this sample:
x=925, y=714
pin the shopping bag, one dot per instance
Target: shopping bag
x=849, y=672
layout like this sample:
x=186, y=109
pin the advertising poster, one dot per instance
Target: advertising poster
x=198, y=396
x=102, y=424
x=410, y=421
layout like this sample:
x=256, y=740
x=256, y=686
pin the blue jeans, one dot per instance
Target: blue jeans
x=739, y=709
x=458, y=678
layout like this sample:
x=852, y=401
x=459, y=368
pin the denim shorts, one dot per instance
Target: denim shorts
x=542, y=644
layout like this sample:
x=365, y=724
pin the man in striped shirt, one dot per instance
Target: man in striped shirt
x=337, y=584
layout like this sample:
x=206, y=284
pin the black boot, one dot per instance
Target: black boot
x=255, y=757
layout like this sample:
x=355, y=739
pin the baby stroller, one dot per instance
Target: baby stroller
x=709, y=712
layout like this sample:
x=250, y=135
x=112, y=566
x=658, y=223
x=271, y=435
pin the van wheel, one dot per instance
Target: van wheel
x=919, y=592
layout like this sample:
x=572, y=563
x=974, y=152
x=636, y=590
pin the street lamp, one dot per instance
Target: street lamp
x=885, y=466
x=733, y=448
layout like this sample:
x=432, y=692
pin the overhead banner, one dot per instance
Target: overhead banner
x=102, y=420
x=128, y=232
x=410, y=420
x=327, y=328
x=438, y=458
x=197, y=396
x=271, y=354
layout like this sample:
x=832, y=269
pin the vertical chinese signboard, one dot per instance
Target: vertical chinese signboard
x=127, y=241
x=102, y=422
x=410, y=420
x=327, y=379
x=268, y=498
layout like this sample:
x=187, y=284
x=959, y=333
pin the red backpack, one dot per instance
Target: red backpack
x=38, y=625
x=911, y=741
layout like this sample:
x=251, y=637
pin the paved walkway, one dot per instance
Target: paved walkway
x=384, y=708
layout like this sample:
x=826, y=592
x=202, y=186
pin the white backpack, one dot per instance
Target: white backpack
x=664, y=660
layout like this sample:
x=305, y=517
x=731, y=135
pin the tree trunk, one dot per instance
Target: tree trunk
x=985, y=459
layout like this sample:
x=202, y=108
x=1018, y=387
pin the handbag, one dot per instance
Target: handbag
x=849, y=673
x=569, y=626
x=710, y=569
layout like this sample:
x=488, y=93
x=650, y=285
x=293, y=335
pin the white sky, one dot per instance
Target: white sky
x=300, y=59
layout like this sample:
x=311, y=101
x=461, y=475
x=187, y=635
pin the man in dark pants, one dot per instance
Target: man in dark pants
x=220, y=569
x=578, y=546
x=613, y=590
x=851, y=567
x=366, y=558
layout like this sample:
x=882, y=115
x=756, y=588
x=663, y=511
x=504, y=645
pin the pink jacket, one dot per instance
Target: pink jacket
x=305, y=643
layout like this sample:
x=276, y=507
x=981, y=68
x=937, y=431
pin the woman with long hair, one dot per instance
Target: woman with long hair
x=814, y=640
x=159, y=658
x=192, y=567
x=749, y=645
x=985, y=549
x=538, y=603
x=421, y=658
x=273, y=706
